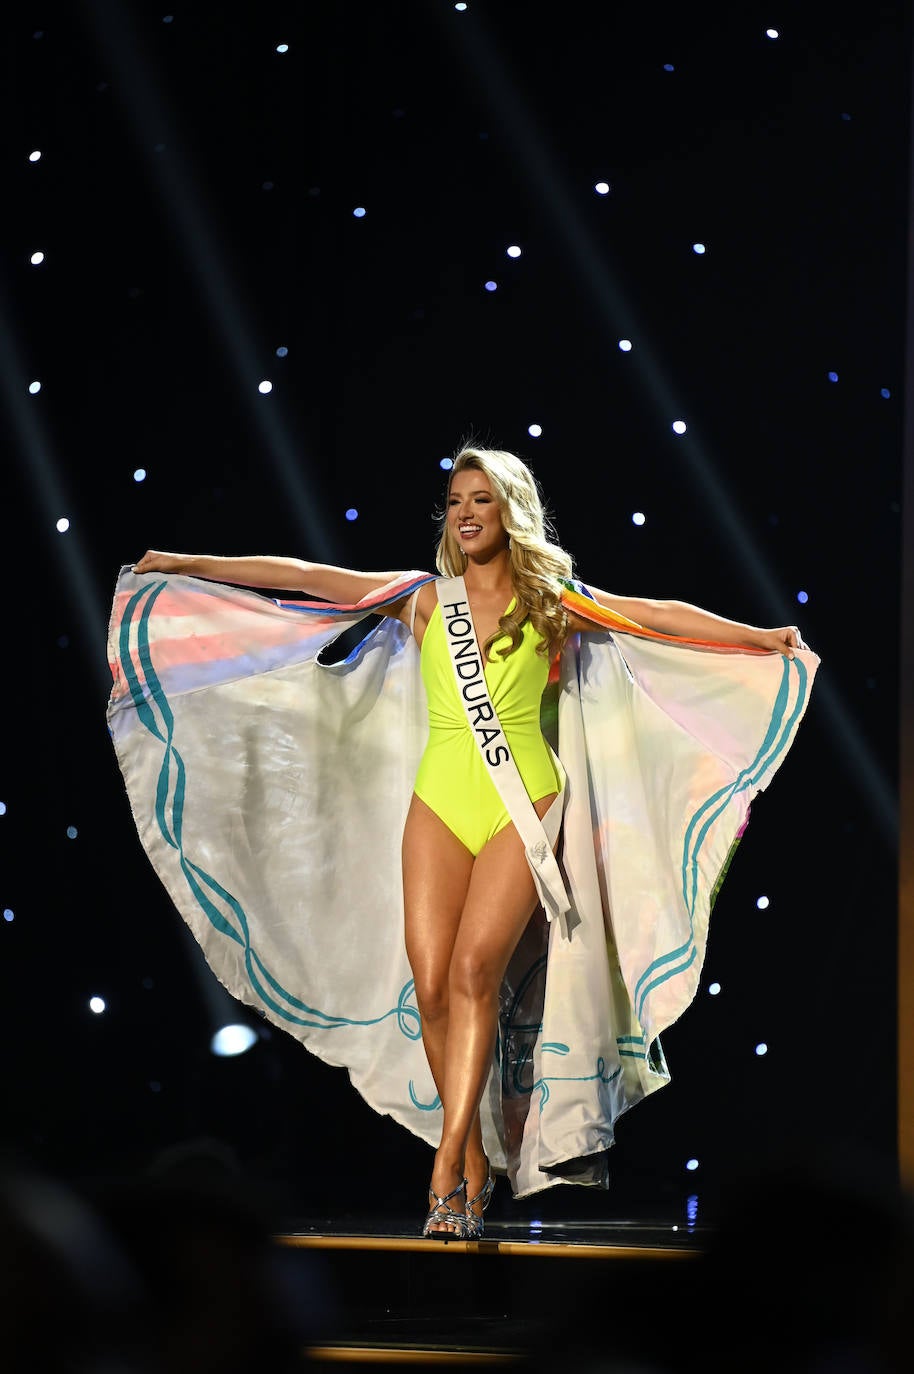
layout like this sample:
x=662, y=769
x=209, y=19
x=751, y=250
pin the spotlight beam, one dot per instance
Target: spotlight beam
x=489, y=74
x=139, y=91
x=43, y=472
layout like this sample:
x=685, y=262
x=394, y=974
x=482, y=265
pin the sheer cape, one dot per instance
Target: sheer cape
x=269, y=790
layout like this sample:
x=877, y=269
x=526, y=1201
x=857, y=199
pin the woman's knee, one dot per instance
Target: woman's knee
x=473, y=976
x=432, y=998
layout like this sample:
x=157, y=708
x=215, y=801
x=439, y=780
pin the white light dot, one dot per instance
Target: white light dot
x=691, y=1165
x=491, y=286
x=460, y=5
x=282, y=351
x=2, y=808
x=625, y=345
x=36, y=258
x=97, y=1004
x=802, y=597
x=772, y=33
x=139, y=475
x=638, y=517
x=359, y=212
x=35, y=156
x=698, y=248
x=34, y=388
x=282, y=47
x=72, y=832
x=761, y=1049
x=513, y=251
x=352, y=513
x=265, y=388
x=713, y=989
x=8, y=914
x=233, y=1040
x=447, y=464
x=762, y=903
x=63, y=524
x=679, y=426
x=602, y=188
x=832, y=376
x=535, y=431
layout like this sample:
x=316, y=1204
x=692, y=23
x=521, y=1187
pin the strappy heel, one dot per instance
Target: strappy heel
x=476, y=1224
x=441, y=1214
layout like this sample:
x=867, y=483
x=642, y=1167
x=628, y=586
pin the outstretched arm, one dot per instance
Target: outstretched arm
x=321, y=580
x=691, y=622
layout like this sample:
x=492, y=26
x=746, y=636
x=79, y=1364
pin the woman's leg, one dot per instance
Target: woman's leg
x=436, y=877
x=499, y=902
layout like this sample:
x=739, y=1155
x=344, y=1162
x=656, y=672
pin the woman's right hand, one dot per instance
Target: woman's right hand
x=155, y=561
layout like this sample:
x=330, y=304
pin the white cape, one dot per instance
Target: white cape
x=269, y=791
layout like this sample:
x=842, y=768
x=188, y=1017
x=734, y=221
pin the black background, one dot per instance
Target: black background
x=194, y=201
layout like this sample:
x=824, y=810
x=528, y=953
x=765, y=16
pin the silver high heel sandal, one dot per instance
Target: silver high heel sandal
x=476, y=1224
x=441, y=1214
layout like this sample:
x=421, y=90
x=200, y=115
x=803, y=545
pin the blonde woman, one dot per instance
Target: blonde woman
x=471, y=874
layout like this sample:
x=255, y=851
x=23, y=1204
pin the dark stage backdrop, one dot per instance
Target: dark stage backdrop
x=196, y=203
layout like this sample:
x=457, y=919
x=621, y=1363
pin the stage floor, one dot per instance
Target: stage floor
x=395, y=1297
x=578, y=1238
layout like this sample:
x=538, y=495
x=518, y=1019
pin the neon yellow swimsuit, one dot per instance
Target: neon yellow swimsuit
x=453, y=779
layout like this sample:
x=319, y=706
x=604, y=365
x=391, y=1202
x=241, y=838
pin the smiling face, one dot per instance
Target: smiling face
x=473, y=514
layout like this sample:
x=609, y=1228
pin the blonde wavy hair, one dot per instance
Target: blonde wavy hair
x=537, y=563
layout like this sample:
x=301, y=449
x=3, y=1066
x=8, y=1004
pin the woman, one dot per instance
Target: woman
x=469, y=886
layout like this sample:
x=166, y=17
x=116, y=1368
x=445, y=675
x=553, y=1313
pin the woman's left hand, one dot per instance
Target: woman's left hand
x=783, y=641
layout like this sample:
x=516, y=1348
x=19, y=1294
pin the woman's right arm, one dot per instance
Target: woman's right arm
x=320, y=580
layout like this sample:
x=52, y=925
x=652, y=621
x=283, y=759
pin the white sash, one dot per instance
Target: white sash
x=539, y=836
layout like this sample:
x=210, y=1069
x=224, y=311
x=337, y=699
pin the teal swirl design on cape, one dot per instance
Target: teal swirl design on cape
x=169, y=813
x=777, y=737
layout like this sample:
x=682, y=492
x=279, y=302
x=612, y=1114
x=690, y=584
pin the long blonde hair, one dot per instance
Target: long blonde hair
x=536, y=562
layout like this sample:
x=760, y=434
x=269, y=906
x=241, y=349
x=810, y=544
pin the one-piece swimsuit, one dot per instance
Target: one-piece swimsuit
x=452, y=777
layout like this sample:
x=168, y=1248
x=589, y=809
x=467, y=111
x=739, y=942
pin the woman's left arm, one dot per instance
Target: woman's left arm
x=685, y=621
